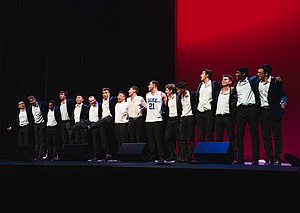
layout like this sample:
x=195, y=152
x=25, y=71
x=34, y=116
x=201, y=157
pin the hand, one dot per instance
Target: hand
x=278, y=78
x=9, y=128
x=283, y=105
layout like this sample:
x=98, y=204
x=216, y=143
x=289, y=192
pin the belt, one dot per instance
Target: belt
x=246, y=105
x=51, y=126
x=223, y=115
x=131, y=118
x=265, y=107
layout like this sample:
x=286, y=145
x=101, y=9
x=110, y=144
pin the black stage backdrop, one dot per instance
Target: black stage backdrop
x=81, y=46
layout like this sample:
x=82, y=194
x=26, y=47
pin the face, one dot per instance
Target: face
x=180, y=90
x=32, y=101
x=51, y=106
x=105, y=94
x=203, y=75
x=131, y=91
x=168, y=92
x=239, y=75
x=79, y=99
x=151, y=86
x=121, y=97
x=261, y=73
x=226, y=81
x=92, y=100
x=62, y=96
x=21, y=105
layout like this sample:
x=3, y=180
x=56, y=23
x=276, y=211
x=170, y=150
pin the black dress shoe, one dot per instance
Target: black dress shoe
x=268, y=162
x=255, y=162
x=277, y=163
x=238, y=162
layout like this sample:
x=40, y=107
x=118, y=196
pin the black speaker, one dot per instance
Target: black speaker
x=130, y=152
x=74, y=152
x=24, y=153
x=292, y=159
x=214, y=152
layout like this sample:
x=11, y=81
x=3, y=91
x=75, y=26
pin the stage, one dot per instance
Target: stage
x=112, y=168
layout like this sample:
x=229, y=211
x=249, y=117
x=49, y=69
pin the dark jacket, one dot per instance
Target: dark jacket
x=193, y=103
x=57, y=115
x=252, y=80
x=83, y=114
x=276, y=94
x=215, y=88
x=44, y=109
x=70, y=106
x=232, y=102
x=99, y=111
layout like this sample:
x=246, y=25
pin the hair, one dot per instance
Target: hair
x=30, y=97
x=180, y=85
x=228, y=76
x=122, y=92
x=64, y=92
x=171, y=87
x=105, y=88
x=243, y=70
x=136, y=89
x=208, y=72
x=21, y=101
x=266, y=67
x=80, y=94
x=155, y=82
x=52, y=102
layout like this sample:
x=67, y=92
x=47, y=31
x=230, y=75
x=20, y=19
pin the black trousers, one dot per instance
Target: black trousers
x=66, y=135
x=223, y=122
x=247, y=115
x=187, y=141
x=80, y=133
x=52, y=141
x=172, y=135
x=271, y=128
x=205, y=126
x=106, y=134
x=136, y=129
x=24, y=135
x=155, y=135
x=40, y=139
x=121, y=132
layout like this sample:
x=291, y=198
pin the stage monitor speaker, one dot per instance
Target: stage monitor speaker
x=74, y=152
x=133, y=152
x=292, y=159
x=214, y=152
x=25, y=153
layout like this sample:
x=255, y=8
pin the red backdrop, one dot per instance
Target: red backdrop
x=224, y=34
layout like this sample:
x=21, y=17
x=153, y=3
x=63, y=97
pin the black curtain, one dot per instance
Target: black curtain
x=81, y=46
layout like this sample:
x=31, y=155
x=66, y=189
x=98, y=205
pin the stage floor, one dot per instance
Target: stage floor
x=143, y=177
x=84, y=168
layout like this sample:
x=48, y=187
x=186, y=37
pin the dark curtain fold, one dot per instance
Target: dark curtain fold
x=81, y=46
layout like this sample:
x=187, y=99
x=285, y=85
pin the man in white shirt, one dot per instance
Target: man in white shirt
x=52, y=130
x=136, y=110
x=246, y=113
x=155, y=100
x=225, y=112
x=106, y=122
x=79, y=118
x=121, y=119
x=37, y=113
x=205, y=106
